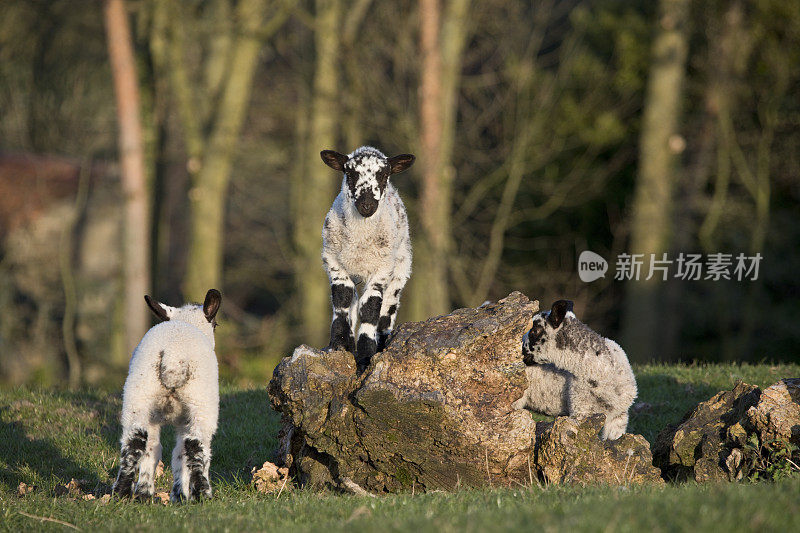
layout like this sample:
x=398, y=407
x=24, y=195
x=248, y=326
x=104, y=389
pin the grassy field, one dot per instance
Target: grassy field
x=48, y=437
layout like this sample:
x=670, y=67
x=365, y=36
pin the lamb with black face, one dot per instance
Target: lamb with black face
x=572, y=370
x=365, y=240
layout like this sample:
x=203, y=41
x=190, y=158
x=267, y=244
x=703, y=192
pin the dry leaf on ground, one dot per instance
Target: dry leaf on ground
x=271, y=478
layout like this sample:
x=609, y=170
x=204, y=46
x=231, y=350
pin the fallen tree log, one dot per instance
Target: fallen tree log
x=432, y=411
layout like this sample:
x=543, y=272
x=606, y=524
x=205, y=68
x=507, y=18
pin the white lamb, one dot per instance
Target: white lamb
x=574, y=371
x=172, y=379
x=365, y=238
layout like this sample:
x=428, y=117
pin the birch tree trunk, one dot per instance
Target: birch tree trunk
x=652, y=203
x=136, y=231
x=313, y=195
x=442, y=44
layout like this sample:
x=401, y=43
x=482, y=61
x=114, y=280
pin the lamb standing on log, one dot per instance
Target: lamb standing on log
x=365, y=238
x=172, y=379
x=574, y=371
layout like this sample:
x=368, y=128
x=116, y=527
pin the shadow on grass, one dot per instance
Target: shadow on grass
x=665, y=401
x=247, y=434
x=29, y=437
x=18, y=453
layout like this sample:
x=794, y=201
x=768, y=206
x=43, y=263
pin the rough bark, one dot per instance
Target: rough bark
x=136, y=236
x=732, y=435
x=569, y=452
x=315, y=192
x=652, y=202
x=696, y=447
x=777, y=413
x=434, y=411
x=442, y=42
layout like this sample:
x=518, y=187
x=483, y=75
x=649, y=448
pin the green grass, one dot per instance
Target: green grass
x=48, y=437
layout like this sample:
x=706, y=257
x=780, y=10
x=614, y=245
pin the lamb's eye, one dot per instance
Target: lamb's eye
x=537, y=331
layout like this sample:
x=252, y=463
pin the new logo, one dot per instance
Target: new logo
x=591, y=266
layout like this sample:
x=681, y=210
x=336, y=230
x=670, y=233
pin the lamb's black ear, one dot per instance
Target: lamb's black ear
x=333, y=159
x=400, y=162
x=212, y=303
x=558, y=312
x=156, y=308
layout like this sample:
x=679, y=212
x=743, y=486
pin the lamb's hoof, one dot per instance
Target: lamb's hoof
x=176, y=494
x=612, y=433
x=331, y=348
x=122, y=490
x=383, y=340
x=143, y=495
x=200, y=496
x=201, y=490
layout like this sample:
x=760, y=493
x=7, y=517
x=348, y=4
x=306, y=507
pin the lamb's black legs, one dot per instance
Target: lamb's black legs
x=196, y=459
x=190, y=462
x=145, y=486
x=376, y=309
x=130, y=456
x=391, y=300
x=343, y=299
x=369, y=314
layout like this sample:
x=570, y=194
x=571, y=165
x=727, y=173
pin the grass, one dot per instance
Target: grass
x=48, y=437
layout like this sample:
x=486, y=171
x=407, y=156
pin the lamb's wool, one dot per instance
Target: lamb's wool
x=172, y=379
x=574, y=371
x=365, y=239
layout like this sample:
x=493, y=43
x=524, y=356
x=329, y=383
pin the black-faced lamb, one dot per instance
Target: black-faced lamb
x=572, y=370
x=365, y=239
x=172, y=379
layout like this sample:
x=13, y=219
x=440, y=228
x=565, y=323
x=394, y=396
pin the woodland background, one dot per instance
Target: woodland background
x=168, y=147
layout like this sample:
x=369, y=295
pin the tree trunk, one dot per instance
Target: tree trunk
x=652, y=203
x=136, y=253
x=727, y=56
x=441, y=46
x=209, y=189
x=313, y=197
x=355, y=89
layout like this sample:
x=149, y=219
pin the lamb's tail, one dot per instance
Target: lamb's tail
x=171, y=373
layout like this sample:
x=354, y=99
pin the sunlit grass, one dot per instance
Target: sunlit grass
x=48, y=437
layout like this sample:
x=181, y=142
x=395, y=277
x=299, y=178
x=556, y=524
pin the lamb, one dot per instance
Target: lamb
x=172, y=379
x=365, y=239
x=574, y=371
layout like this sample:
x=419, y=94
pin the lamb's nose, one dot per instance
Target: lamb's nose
x=367, y=206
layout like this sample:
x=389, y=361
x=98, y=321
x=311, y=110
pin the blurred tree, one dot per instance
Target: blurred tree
x=353, y=98
x=551, y=124
x=549, y=104
x=136, y=236
x=651, y=208
x=212, y=98
x=442, y=43
x=313, y=192
x=694, y=219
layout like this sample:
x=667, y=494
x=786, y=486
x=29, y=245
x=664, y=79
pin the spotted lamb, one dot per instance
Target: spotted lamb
x=574, y=371
x=365, y=239
x=172, y=379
